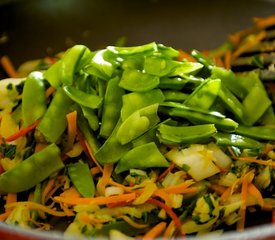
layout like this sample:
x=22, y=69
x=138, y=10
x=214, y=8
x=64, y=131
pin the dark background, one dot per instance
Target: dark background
x=35, y=28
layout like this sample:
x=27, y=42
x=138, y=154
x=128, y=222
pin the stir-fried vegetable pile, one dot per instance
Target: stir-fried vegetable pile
x=135, y=141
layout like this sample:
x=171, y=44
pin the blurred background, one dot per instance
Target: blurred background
x=35, y=28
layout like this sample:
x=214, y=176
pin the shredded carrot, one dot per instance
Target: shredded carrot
x=226, y=194
x=95, y=170
x=180, y=188
x=11, y=198
x=253, y=190
x=36, y=206
x=155, y=231
x=72, y=126
x=102, y=183
x=251, y=42
x=218, y=61
x=22, y=132
x=184, y=55
x=70, y=192
x=147, y=192
x=8, y=67
x=169, y=231
x=228, y=59
x=40, y=146
x=4, y=215
x=125, y=188
x=128, y=197
x=164, y=196
x=269, y=162
x=132, y=223
x=218, y=188
x=87, y=150
x=47, y=189
x=264, y=22
x=169, y=169
x=169, y=211
x=49, y=91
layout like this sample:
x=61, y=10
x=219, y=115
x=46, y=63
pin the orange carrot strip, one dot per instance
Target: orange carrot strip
x=180, y=188
x=128, y=197
x=125, y=188
x=4, y=215
x=217, y=188
x=70, y=192
x=102, y=183
x=11, y=197
x=22, y=132
x=8, y=67
x=226, y=194
x=184, y=55
x=253, y=190
x=228, y=59
x=169, y=211
x=169, y=169
x=49, y=91
x=169, y=230
x=95, y=170
x=254, y=160
x=71, y=120
x=164, y=196
x=155, y=231
x=47, y=189
x=264, y=22
x=249, y=44
x=218, y=61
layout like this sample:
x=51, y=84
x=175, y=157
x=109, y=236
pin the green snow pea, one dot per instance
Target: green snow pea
x=257, y=132
x=137, y=100
x=230, y=80
x=255, y=105
x=33, y=98
x=231, y=102
x=54, y=121
x=111, y=107
x=32, y=170
x=91, y=117
x=159, y=65
x=185, y=134
x=126, y=51
x=202, y=117
x=112, y=150
x=144, y=156
x=174, y=96
x=186, y=68
x=178, y=83
x=135, y=80
x=82, y=98
x=167, y=51
x=138, y=123
x=81, y=178
x=205, y=94
x=64, y=70
x=101, y=65
x=226, y=139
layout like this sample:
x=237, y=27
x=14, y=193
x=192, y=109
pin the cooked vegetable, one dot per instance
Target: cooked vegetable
x=138, y=142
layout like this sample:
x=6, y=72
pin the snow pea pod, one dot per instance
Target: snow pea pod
x=64, y=70
x=144, y=156
x=175, y=96
x=81, y=178
x=226, y=139
x=126, y=51
x=32, y=170
x=33, y=89
x=205, y=94
x=138, y=123
x=135, y=80
x=257, y=132
x=111, y=107
x=185, y=134
x=137, y=100
x=91, y=116
x=202, y=117
x=82, y=98
x=54, y=121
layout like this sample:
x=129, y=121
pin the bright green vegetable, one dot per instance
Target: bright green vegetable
x=32, y=171
x=33, y=98
x=82, y=179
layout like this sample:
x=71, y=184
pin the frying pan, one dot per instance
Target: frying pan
x=31, y=29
